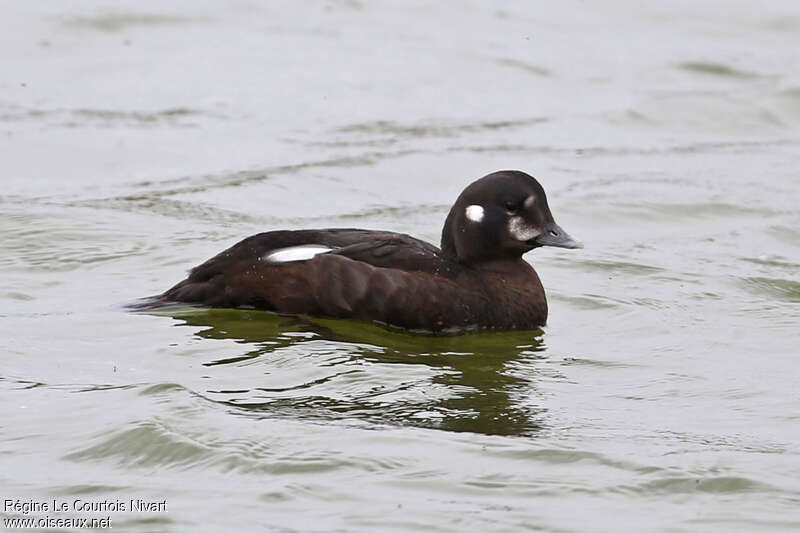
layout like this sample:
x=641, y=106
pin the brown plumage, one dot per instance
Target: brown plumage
x=477, y=279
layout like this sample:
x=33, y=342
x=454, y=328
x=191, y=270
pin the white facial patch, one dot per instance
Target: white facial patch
x=521, y=230
x=529, y=201
x=295, y=253
x=474, y=213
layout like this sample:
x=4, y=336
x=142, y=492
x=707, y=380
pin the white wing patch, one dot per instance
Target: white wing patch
x=474, y=213
x=296, y=253
x=521, y=230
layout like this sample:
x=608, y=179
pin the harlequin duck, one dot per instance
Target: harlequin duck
x=477, y=279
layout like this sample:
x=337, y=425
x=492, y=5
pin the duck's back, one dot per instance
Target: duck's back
x=349, y=273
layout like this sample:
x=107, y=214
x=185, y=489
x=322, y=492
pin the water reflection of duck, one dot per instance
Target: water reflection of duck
x=476, y=280
x=479, y=382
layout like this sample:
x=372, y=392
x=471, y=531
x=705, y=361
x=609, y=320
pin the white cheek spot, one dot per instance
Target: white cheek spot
x=521, y=230
x=529, y=201
x=295, y=253
x=474, y=213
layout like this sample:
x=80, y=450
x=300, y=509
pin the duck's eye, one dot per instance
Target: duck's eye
x=511, y=207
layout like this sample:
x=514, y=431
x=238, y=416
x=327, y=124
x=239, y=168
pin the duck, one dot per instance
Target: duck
x=476, y=279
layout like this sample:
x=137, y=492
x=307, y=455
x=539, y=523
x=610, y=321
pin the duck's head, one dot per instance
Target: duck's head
x=501, y=215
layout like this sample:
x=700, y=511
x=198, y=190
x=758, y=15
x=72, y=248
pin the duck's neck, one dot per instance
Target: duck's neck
x=506, y=266
x=448, y=241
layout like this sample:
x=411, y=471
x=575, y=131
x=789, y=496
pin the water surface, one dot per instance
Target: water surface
x=140, y=140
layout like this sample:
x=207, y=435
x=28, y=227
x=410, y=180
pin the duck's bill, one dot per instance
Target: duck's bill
x=553, y=235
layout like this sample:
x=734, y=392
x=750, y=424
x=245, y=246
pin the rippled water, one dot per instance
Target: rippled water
x=138, y=141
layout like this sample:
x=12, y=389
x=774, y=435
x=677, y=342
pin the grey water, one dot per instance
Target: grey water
x=138, y=139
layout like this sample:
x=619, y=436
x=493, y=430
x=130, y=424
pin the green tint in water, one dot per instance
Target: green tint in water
x=479, y=382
